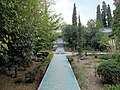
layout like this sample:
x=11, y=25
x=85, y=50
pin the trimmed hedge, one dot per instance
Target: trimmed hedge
x=109, y=71
x=112, y=87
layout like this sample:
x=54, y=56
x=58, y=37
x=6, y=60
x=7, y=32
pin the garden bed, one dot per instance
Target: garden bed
x=86, y=74
x=8, y=83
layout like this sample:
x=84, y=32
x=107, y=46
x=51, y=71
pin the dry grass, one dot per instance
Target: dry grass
x=91, y=81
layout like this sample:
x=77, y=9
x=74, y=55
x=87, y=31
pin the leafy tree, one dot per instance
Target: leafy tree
x=16, y=31
x=48, y=22
x=92, y=35
x=70, y=35
x=116, y=25
x=99, y=24
x=24, y=26
x=109, y=16
x=74, y=17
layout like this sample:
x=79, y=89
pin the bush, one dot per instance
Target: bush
x=109, y=71
x=30, y=77
x=105, y=56
x=102, y=61
x=117, y=57
x=112, y=87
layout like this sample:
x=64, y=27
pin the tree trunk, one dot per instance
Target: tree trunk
x=15, y=72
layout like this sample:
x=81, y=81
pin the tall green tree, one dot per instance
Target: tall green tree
x=109, y=16
x=74, y=16
x=116, y=25
x=104, y=14
x=99, y=16
x=80, y=37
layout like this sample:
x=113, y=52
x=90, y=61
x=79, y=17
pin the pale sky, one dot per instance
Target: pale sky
x=86, y=9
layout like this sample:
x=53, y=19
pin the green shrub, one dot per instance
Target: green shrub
x=30, y=77
x=105, y=56
x=111, y=87
x=102, y=61
x=109, y=71
x=117, y=57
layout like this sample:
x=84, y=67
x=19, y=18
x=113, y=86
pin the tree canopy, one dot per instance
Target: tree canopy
x=25, y=26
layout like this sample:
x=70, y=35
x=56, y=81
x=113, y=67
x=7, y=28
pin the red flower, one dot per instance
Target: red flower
x=36, y=11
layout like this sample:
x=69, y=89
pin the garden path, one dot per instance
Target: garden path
x=59, y=75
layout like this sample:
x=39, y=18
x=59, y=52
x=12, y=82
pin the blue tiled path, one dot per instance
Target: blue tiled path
x=59, y=75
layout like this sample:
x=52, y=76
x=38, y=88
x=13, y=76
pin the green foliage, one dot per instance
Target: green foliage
x=105, y=56
x=79, y=37
x=25, y=26
x=116, y=26
x=74, y=17
x=116, y=56
x=108, y=43
x=91, y=35
x=104, y=40
x=70, y=35
x=99, y=17
x=47, y=60
x=102, y=61
x=99, y=23
x=30, y=77
x=111, y=87
x=109, y=18
x=104, y=13
x=109, y=71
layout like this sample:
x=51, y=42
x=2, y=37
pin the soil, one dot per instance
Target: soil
x=7, y=83
x=94, y=83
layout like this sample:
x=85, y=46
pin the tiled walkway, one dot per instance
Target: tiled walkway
x=59, y=75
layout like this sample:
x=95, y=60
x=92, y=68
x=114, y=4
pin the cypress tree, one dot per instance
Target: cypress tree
x=74, y=16
x=109, y=16
x=99, y=17
x=99, y=23
x=80, y=41
x=104, y=14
